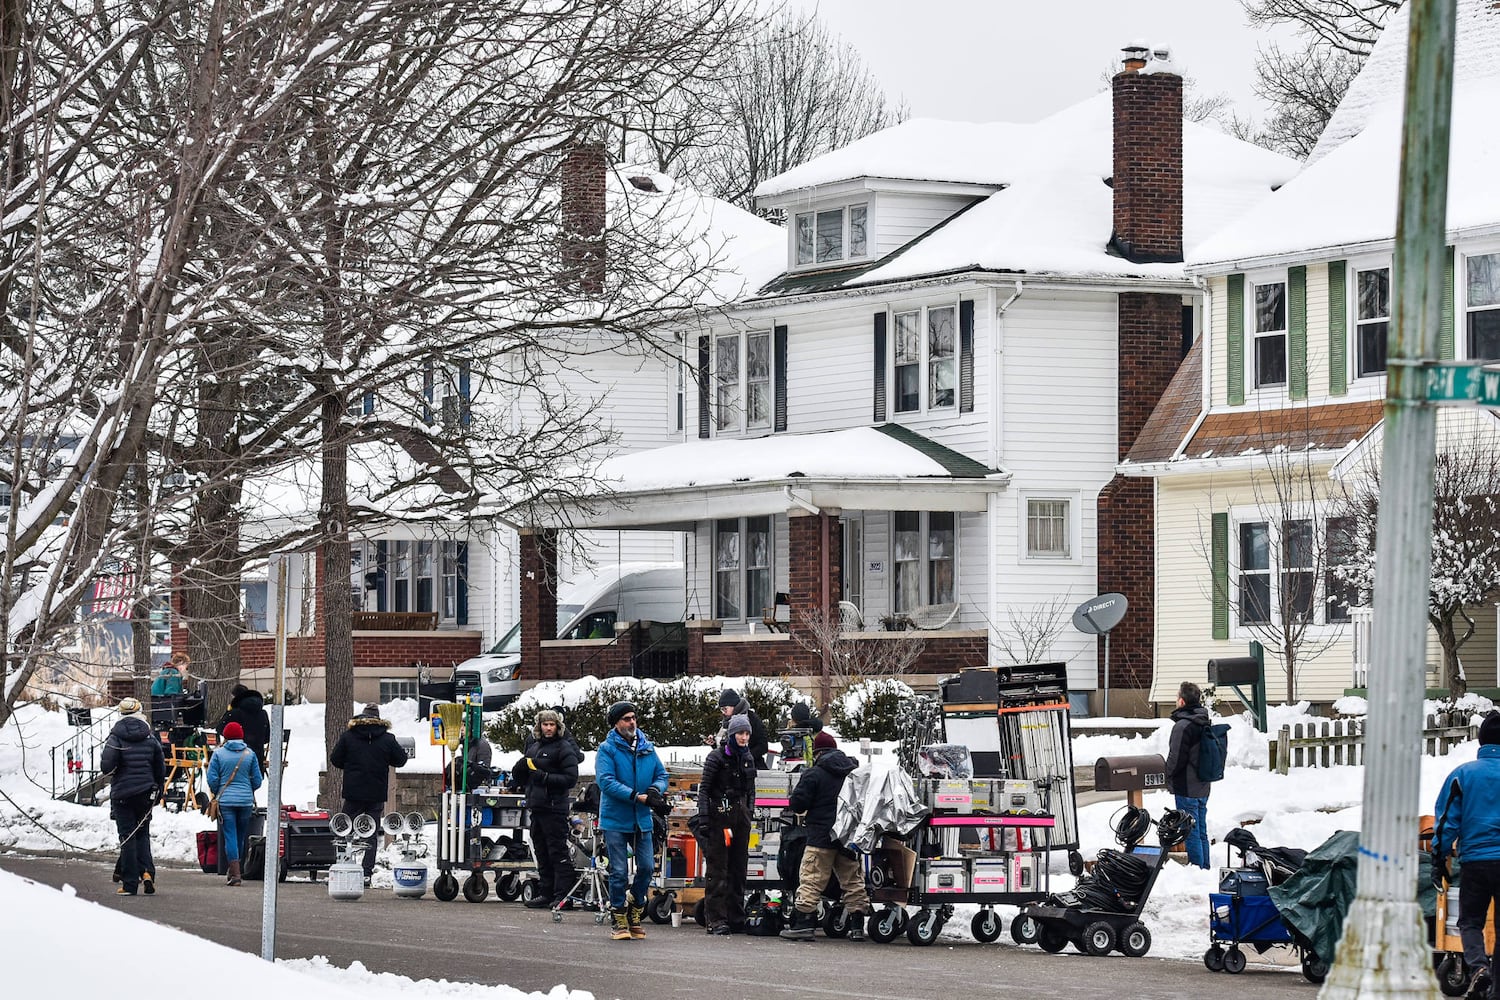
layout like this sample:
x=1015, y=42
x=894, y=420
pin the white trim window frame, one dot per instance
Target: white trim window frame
x=677, y=376
x=924, y=558
x=743, y=378
x=744, y=567
x=1479, y=284
x=1266, y=322
x=923, y=367
x=1051, y=532
x=1370, y=317
x=1267, y=555
x=830, y=235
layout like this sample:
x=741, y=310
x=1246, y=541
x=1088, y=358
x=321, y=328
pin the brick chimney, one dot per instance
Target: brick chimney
x=583, y=217
x=1148, y=157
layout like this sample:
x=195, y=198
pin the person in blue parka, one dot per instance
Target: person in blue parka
x=630, y=777
x=233, y=775
x=1468, y=811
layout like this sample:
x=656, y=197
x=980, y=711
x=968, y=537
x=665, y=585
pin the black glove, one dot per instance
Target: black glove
x=657, y=802
x=1439, y=869
x=698, y=826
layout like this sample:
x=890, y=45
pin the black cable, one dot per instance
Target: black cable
x=1130, y=824
x=1174, y=826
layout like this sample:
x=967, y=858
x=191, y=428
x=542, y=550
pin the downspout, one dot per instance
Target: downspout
x=997, y=439
x=825, y=584
x=804, y=504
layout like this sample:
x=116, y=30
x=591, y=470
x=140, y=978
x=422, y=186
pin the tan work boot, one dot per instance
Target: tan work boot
x=234, y=873
x=634, y=913
x=621, y=931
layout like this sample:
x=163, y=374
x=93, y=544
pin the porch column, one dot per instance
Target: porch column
x=697, y=664
x=538, y=552
x=815, y=574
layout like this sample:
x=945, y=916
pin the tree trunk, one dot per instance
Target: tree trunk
x=338, y=608
x=1453, y=676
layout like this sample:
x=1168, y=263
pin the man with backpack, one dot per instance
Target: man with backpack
x=1194, y=761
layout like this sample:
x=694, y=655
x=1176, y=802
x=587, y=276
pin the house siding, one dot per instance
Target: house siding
x=901, y=218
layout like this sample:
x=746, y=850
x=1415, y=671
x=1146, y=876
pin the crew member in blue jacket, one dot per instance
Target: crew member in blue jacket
x=630, y=776
x=1468, y=811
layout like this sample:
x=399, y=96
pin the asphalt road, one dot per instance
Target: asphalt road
x=495, y=942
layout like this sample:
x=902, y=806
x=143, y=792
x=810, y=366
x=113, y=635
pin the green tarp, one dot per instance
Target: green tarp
x=1313, y=902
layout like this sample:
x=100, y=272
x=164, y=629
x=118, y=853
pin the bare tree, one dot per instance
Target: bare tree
x=1465, y=543
x=844, y=660
x=1305, y=86
x=1027, y=633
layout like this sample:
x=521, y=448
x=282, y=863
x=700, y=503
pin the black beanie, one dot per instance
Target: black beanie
x=619, y=710
x=729, y=699
x=1489, y=730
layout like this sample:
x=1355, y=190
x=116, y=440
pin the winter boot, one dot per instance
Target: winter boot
x=634, y=914
x=148, y=882
x=234, y=873
x=856, y=926
x=801, y=926
x=1479, y=986
x=621, y=925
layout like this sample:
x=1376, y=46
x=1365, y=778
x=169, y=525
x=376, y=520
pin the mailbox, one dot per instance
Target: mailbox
x=1130, y=774
x=1231, y=670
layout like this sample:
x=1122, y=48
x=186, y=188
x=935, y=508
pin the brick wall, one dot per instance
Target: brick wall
x=1148, y=166
x=538, y=563
x=381, y=649
x=583, y=217
x=805, y=583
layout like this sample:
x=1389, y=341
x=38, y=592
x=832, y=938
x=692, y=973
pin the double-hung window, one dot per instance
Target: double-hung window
x=1288, y=568
x=1299, y=560
x=831, y=235
x=1270, y=334
x=1339, y=594
x=1372, y=319
x=926, y=340
x=923, y=552
x=1255, y=573
x=1483, y=304
x=742, y=381
x=742, y=567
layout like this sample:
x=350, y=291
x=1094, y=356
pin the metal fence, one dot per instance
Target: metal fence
x=1338, y=742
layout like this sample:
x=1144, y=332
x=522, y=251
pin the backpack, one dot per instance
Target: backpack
x=1213, y=751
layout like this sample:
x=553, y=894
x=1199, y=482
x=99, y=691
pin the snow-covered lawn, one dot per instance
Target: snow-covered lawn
x=1300, y=809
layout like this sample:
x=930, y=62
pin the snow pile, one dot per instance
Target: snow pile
x=31, y=916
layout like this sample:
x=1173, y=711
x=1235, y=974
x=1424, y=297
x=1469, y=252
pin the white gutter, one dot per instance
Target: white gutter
x=1334, y=252
x=1243, y=462
x=804, y=504
x=997, y=439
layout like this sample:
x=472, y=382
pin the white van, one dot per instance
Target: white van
x=586, y=609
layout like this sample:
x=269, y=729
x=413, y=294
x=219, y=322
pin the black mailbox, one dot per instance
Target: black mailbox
x=1231, y=670
x=1130, y=774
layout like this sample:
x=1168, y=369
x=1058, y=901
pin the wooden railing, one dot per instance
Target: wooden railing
x=395, y=621
x=1340, y=742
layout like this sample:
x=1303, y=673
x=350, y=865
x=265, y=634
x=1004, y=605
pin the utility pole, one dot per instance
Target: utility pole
x=1383, y=952
x=272, y=873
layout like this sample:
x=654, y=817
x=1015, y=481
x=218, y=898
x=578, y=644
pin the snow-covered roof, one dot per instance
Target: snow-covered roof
x=1346, y=195
x=1055, y=211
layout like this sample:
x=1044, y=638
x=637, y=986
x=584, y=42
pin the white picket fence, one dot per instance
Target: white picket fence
x=1335, y=742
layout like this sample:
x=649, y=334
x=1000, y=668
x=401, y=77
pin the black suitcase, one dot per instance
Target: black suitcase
x=254, y=867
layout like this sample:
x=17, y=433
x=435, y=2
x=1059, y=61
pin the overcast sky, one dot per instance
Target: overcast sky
x=1020, y=60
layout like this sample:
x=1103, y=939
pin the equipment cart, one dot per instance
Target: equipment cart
x=1004, y=861
x=1096, y=931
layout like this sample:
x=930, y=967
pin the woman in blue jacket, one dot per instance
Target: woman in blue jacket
x=234, y=775
x=627, y=771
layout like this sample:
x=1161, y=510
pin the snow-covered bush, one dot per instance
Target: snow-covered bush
x=675, y=713
x=869, y=709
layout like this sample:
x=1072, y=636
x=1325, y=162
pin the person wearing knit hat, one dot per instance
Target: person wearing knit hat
x=816, y=797
x=549, y=771
x=726, y=795
x=627, y=770
x=248, y=708
x=233, y=776
x=366, y=752
x=732, y=704
x=1468, y=817
x=132, y=757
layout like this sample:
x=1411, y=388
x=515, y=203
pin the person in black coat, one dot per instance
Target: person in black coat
x=726, y=796
x=550, y=767
x=816, y=799
x=133, y=759
x=248, y=708
x=365, y=753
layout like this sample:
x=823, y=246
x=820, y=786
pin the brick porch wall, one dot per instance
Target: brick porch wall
x=371, y=649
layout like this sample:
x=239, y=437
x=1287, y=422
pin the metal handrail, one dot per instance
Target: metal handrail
x=80, y=755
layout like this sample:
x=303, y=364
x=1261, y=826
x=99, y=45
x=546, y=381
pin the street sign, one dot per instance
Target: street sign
x=1463, y=382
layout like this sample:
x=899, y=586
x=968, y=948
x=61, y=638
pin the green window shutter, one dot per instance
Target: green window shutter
x=1235, y=330
x=1445, y=332
x=1220, y=558
x=1296, y=332
x=1338, y=329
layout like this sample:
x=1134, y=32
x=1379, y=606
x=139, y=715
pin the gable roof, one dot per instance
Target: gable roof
x=1301, y=428
x=1054, y=212
x=1344, y=200
x=1174, y=413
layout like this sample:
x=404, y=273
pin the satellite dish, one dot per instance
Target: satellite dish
x=1098, y=615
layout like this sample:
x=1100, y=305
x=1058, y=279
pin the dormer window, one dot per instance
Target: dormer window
x=832, y=235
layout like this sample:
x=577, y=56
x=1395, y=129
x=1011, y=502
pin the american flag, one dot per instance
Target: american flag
x=114, y=594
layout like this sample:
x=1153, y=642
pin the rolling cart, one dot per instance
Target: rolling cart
x=1097, y=931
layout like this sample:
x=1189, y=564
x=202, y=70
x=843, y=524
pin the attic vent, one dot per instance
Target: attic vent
x=641, y=182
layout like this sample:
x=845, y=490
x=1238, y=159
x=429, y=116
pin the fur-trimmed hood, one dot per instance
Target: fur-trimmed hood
x=368, y=726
